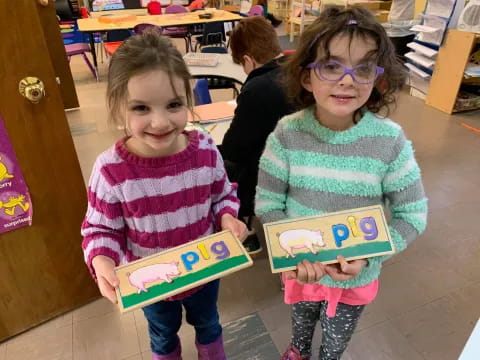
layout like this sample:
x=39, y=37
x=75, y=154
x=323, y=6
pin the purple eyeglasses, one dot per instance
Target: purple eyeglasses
x=333, y=71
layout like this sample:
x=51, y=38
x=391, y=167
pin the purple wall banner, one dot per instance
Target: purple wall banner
x=15, y=203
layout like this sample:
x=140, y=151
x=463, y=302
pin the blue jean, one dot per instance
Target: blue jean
x=165, y=318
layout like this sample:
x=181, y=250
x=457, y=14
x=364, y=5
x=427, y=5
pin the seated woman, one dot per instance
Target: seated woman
x=262, y=102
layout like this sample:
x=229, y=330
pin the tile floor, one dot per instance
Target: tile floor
x=428, y=302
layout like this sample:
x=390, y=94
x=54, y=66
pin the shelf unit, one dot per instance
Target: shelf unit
x=299, y=21
x=279, y=8
x=449, y=69
x=379, y=8
x=472, y=80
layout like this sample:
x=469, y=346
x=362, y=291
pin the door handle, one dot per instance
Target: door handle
x=32, y=88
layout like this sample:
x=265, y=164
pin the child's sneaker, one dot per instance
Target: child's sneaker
x=252, y=245
x=292, y=353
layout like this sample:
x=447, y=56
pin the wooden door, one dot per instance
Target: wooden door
x=42, y=273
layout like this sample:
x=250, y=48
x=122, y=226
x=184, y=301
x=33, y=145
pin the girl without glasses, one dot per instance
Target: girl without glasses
x=158, y=187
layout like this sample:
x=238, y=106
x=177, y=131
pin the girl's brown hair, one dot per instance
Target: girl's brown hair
x=353, y=22
x=139, y=54
x=256, y=37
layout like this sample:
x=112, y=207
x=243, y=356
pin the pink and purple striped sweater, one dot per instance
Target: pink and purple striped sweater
x=140, y=206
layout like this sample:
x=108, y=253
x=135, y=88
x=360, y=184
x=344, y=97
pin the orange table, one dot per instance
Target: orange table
x=124, y=21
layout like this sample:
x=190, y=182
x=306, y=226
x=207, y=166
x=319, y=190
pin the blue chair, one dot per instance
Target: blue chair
x=201, y=93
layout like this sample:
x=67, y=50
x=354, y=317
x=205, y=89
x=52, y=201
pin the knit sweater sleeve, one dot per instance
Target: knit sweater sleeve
x=224, y=193
x=273, y=174
x=405, y=195
x=103, y=226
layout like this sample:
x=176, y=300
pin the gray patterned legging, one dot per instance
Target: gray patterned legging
x=337, y=331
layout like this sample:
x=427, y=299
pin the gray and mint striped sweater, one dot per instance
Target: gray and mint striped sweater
x=307, y=169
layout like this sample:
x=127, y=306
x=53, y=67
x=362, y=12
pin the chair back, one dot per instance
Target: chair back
x=178, y=31
x=140, y=28
x=214, y=28
x=64, y=10
x=84, y=13
x=214, y=39
x=154, y=8
x=196, y=5
x=111, y=47
x=114, y=39
x=212, y=34
x=201, y=93
x=118, y=35
x=175, y=9
x=256, y=10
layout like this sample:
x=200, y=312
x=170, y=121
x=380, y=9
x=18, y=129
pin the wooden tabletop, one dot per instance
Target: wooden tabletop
x=138, y=12
x=225, y=68
x=216, y=129
x=129, y=22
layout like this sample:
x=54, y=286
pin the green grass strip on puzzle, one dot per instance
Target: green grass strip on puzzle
x=164, y=287
x=328, y=255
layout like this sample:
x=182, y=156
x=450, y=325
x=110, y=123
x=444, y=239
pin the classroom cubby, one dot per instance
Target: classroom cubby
x=450, y=66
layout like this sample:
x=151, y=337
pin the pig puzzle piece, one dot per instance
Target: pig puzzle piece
x=300, y=239
x=148, y=274
x=178, y=269
x=354, y=234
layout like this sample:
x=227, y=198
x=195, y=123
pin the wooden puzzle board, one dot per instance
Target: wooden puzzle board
x=176, y=270
x=354, y=234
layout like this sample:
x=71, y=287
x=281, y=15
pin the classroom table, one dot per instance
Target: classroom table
x=94, y=25
x=123, y=12
x=216, y=129
x=218, y=132
x=225, y=68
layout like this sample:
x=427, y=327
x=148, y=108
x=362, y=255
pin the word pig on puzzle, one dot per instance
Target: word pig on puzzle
x=354, y=234
x=176, y=270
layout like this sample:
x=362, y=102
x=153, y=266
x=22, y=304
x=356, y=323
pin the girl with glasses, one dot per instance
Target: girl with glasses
x=339, y=152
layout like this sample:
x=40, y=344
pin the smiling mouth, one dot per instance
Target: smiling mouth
x=160, y=136
x=343, y=96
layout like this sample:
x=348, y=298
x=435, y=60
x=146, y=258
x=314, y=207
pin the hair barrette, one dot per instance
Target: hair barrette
x=352, y=22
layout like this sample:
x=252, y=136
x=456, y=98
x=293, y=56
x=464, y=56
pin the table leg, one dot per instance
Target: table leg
x=94, y=54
